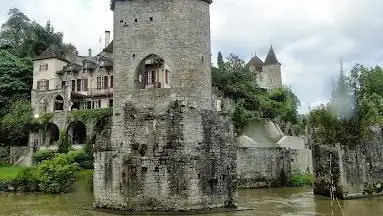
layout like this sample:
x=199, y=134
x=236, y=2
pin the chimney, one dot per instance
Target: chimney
x=90, y=52
x=107, y=38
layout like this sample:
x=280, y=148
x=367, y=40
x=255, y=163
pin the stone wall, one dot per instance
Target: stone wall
x=270, y=167
x=355, y=170
x=4, y=155
x=175, y=159
x=20, y=155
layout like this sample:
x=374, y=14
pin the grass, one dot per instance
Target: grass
x=9, y=172
x=302, y=180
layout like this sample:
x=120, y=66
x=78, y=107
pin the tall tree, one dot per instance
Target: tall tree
x=220, y=61
x=15, y=78
x=16, y=30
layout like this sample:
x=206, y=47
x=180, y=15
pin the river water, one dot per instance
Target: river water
x=268, y=202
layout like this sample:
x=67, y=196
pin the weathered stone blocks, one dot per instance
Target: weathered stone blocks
x=180, y=159
x=354, y=170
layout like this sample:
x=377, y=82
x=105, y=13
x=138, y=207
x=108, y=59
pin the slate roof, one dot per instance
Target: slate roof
x=109, y=48
x=255, y=61
x=51, y=52
x=271, y=59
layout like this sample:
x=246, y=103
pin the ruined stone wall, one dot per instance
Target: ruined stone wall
x=263, y=167
x=179, y=158
x=4, y=155
x=356, y=170
x=19, y=155
x=270, y=167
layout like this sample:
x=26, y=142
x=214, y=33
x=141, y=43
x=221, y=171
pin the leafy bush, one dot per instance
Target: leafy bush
x=301, y=180
x=27, y=180
x=57, y=175
x=84, y=160
x=42, y=155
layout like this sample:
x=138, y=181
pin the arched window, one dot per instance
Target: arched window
x=152, y=72
x=43, y=106
x=59, y=103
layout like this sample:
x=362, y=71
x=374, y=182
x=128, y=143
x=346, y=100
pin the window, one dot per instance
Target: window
x=63, y=84
x=151, y=18
x=82, y=85
x=43, y=85
x=97, y=104
x=43, y=106
x=111, y=103
x=59, y=103
x=43, y=67
x=73, y=85
x=167, y=73
x=100, y=82
x=106, y=84
x=111, y=81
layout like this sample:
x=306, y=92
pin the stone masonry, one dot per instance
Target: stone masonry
x=167, y=149
x=353, y=170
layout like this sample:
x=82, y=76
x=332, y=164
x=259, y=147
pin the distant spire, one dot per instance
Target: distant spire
x=271, y=59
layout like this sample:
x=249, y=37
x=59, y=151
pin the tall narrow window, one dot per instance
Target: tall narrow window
x=73, y=85
x=149, y=78
x=167, y=77
x=111, y=81
x=100, y=82
x=106, y=82
x=63, y=83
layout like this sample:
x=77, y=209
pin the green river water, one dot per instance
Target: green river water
x=268, y=202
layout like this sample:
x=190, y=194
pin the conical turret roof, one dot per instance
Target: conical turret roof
x=271, y=59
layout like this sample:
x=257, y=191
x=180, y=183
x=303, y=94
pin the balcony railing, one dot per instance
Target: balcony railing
x=95, y=92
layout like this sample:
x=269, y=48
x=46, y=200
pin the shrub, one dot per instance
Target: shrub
x=301, y=180
x=42, y=155
x=27, y=180
x=84, y=160
x=57, y=175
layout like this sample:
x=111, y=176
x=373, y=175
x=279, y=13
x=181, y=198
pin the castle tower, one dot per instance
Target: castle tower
x=167, y=149
x=163, y=44
x=272, y=68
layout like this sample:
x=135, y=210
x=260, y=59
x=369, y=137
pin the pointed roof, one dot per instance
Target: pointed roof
x=271, y=59
x=255, y=61
x=51, y=52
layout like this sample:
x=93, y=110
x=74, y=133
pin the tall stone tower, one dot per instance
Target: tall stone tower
x=272, y=68
x=167, y=148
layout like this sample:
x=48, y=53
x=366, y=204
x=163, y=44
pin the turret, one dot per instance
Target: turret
x=272, y=67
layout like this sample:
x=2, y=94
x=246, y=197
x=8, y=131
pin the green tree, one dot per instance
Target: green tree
x=15, y=78
x=29, y=39
x=15, y=125
x=16, y=30
x=220, y=61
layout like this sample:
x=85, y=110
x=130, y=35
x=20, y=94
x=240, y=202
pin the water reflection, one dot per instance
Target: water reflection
x=267, y=202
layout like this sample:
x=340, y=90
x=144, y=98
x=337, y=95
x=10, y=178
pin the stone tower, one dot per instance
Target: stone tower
x=272, y=68
x=167, y=149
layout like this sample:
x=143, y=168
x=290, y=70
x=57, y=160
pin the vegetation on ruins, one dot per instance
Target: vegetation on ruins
x=355, y=110
x=234, y=79
x=21, y=40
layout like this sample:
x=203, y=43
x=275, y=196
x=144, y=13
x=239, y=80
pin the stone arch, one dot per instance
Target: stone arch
x=152, y=72
x=59, y=103
x=77, y=133
x=52, y=134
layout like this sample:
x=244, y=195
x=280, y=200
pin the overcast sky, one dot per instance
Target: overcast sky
x=309, y=36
